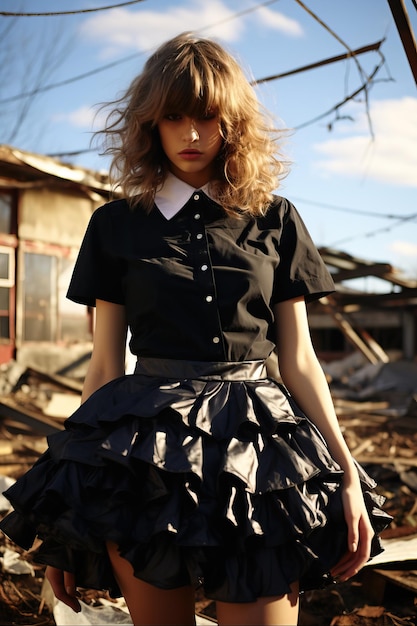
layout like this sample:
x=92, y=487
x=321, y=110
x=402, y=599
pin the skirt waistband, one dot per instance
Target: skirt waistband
x=206, y=370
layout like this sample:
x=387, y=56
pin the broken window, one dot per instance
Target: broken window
x=40, y=306
x=6, y=283
x=47, y=314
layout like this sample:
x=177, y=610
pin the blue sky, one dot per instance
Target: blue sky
x=354, y=174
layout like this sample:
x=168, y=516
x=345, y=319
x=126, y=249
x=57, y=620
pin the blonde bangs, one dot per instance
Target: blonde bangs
x=189, y=84
x=187, y=96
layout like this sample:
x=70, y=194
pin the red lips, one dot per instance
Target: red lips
x=190, y=154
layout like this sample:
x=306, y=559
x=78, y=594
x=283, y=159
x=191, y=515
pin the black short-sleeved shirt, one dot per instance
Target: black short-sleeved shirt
x=201, y=285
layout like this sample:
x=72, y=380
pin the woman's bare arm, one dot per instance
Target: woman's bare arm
x=109, y=347
x=304, y=378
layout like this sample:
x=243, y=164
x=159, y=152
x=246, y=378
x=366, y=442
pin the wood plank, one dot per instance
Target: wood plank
x=34, y=420
x=405, y=579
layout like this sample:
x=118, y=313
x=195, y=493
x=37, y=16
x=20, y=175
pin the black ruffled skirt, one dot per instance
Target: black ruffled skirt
x=202, y=473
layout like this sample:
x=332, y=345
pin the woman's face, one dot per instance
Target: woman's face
x=191, y=145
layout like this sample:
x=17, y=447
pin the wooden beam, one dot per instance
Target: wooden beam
x=360, y=271
x=36, y=422
x=350, y=333
x=341, y=57
x=358, y=337
x=405, y=298
x=400, y=15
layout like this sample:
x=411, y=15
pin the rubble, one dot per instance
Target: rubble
x=376, y=405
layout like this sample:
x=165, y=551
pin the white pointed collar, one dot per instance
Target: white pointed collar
x=174, y=194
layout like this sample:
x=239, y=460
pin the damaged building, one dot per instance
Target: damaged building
x=45, y=206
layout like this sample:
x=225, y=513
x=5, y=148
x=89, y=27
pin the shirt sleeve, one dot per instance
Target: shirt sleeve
x=98, y=272
x=301, y=271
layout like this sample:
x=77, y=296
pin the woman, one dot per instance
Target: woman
x=198, y=469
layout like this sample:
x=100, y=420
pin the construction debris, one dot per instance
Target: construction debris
x=377, y=408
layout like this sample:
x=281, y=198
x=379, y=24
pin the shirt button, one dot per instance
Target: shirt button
x=209, y=298
x=216, y=339
x=204, y=268
x=197, y=216
x=199, y=236
x=196, y=196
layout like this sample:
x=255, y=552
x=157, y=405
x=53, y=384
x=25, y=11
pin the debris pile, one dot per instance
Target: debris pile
x=377, y=409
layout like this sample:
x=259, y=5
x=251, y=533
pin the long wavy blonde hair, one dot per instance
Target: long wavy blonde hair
x=194, y=76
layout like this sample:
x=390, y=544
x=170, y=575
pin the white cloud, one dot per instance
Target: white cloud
x=278, y=21
x=83, y=117
x=391, y=157
x=143, y=30
x=404, y=248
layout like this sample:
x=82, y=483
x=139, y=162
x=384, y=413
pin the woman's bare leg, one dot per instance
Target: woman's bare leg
x=275, y=611
x=147, y=604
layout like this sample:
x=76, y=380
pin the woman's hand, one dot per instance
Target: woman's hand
x=360, y=532
x=63, y=586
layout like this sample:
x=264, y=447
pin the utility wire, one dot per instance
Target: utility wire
x=334, y=207
x=374, y=233
x=112, y=6
x=62, y=83
x=135, y=55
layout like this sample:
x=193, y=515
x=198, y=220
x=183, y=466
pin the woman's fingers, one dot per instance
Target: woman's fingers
x=353, y=561
x=349, y=565
x=63, y=586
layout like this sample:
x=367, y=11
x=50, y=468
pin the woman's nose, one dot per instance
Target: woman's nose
x=192, y=132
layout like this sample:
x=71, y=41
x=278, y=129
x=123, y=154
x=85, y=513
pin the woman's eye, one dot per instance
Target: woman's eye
x=172, y=117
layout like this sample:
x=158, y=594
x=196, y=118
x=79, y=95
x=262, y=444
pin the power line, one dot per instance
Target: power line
x=103, y=68
x=334, y=207
x=62, y=83
x=374, y=233
x=112, y=6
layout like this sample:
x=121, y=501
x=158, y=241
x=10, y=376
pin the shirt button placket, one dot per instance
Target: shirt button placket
x=205, y=278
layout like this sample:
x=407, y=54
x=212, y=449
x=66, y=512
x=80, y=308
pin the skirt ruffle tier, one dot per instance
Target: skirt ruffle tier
x=202, y=473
